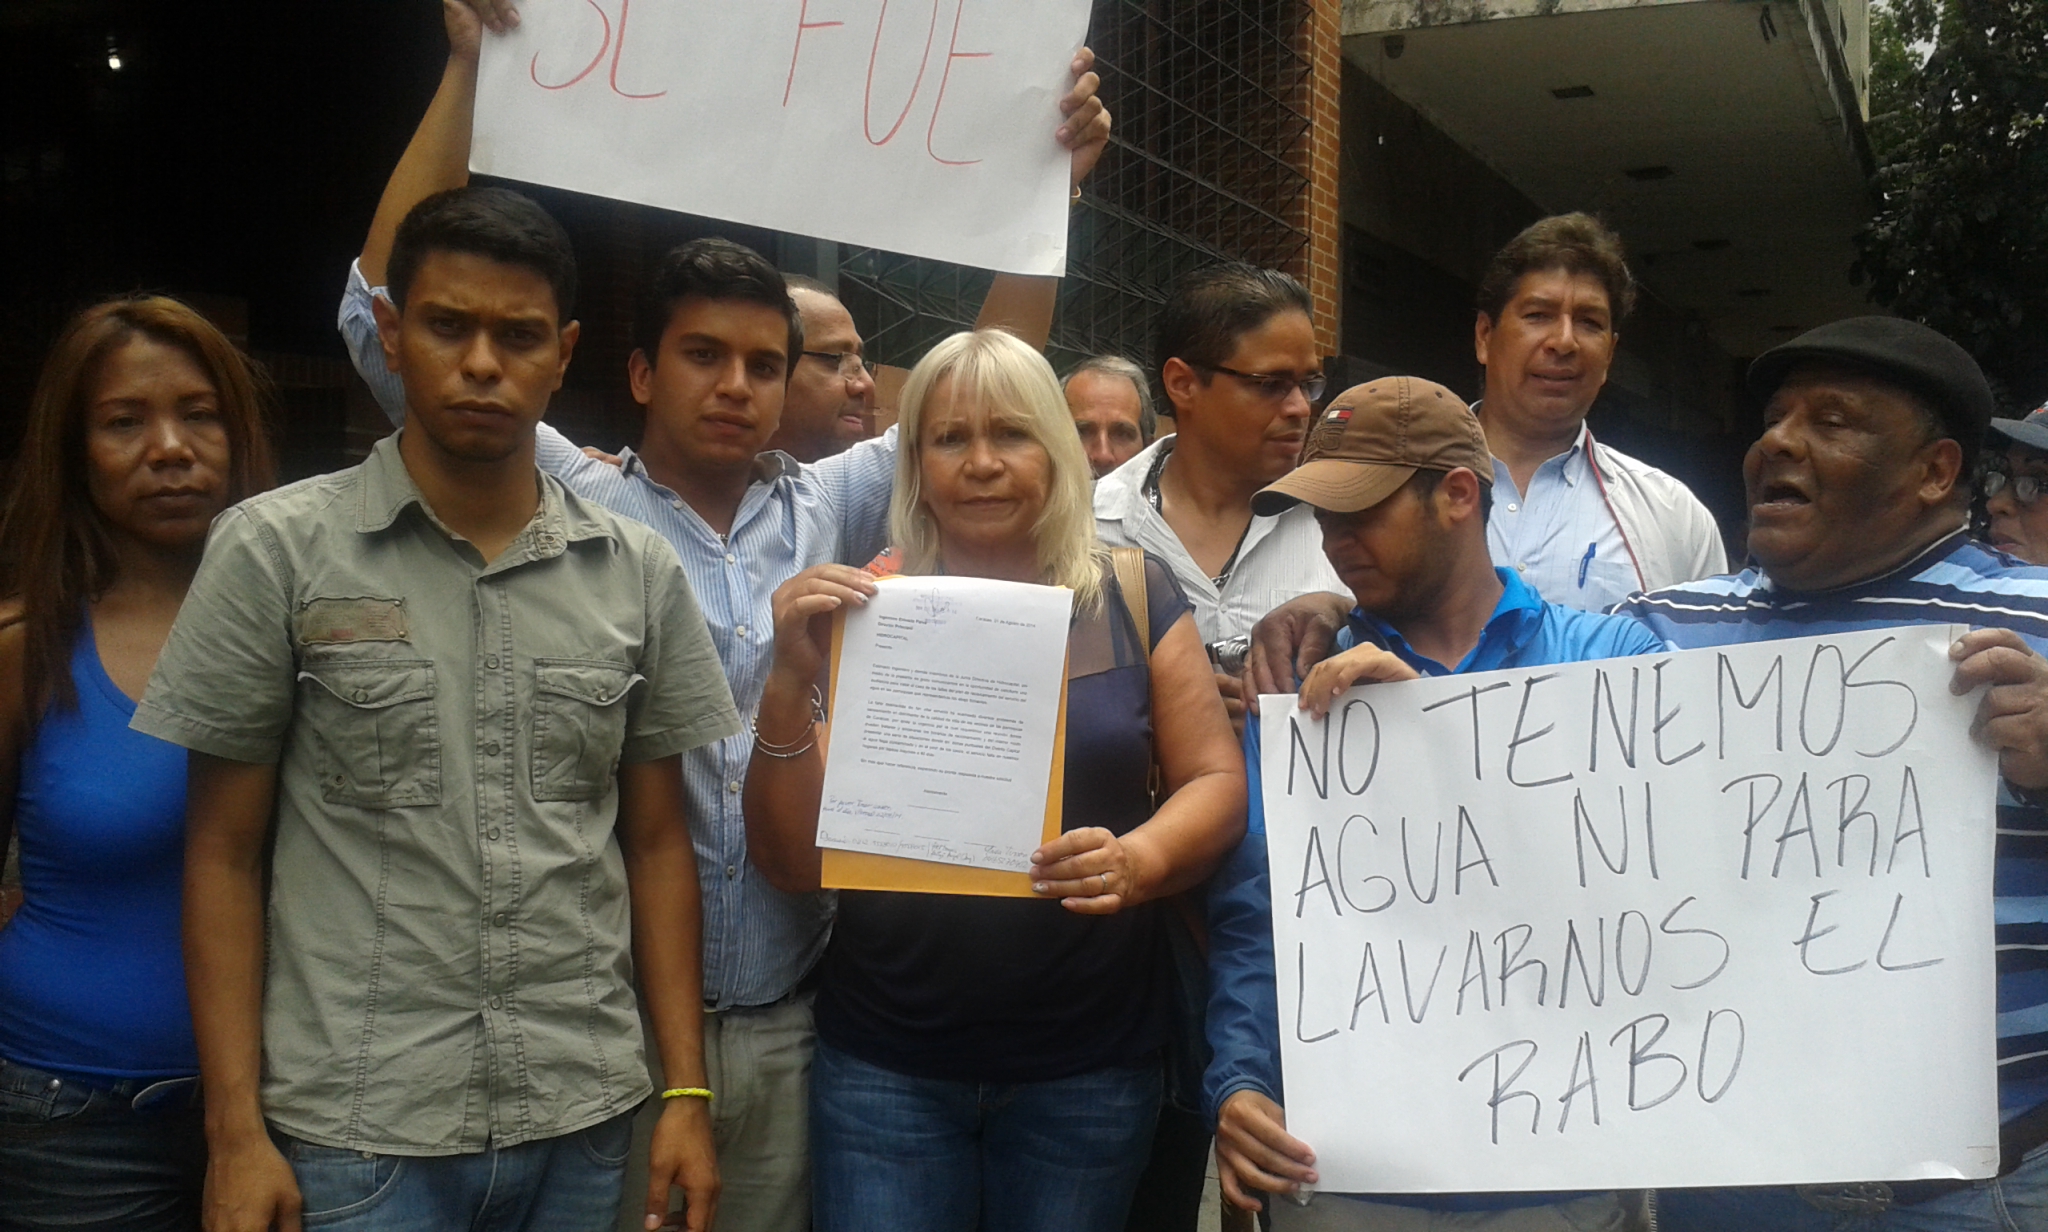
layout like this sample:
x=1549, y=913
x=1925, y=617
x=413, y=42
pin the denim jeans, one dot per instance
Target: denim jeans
x=2014, y=1203
x=76, y=1156
x=566, y=1184
x=759, y=1062
x=893, y=1153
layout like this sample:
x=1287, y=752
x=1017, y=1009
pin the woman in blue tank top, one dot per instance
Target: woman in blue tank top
x=145, y=424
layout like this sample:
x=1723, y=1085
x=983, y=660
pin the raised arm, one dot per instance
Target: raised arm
x=1023, y=303
x=437, y=157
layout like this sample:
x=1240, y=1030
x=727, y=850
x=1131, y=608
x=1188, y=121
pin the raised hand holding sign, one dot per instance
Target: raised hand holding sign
x=918, y=127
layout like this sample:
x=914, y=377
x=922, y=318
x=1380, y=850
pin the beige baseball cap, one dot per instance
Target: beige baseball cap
x=1372, y=438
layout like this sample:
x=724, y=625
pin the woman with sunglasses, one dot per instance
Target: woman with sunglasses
x=145, y=424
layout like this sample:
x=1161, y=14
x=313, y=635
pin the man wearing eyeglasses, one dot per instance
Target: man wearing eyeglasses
x=829, y=405
x=1237, y=359
x=2012, y=484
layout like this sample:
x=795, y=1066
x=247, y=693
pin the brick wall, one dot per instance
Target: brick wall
x=1320, y=98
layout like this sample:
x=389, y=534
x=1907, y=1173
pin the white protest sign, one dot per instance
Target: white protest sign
x=918, y=126
x=1720, y=917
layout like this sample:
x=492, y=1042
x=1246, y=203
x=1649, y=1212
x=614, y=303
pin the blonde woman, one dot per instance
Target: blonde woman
x=995, y=1063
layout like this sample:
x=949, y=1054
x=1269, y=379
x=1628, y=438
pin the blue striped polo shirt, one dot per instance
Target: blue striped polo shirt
x=1955, y=581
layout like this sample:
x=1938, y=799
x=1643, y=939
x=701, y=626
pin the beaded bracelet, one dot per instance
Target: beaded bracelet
x=702, y=1093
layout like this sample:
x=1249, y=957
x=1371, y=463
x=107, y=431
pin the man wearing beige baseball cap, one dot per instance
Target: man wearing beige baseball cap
x=1400, y=480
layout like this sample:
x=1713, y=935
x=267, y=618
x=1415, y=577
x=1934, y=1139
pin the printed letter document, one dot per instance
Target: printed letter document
x=948, y=696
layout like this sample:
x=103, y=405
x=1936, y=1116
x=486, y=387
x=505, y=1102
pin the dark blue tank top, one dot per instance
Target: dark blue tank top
x=92, y=981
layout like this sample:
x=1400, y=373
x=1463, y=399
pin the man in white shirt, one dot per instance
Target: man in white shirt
x=1237, y=357
x=1584, y=524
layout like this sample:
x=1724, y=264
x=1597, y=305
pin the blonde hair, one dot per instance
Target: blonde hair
x=1002, y=371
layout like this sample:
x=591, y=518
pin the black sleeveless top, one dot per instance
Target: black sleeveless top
x=1017, y=990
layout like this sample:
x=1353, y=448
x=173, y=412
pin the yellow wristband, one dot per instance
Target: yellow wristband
x=679, y=1092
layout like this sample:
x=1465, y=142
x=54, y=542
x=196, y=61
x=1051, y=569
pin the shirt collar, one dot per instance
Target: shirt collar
x=769, y=466
x=1939, y=550
x=387, y=489
x=1514, y=620
x=1120, y=494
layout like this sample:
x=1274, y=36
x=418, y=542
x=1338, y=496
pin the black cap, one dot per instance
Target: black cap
x=1918, y=358
x=2031, y=431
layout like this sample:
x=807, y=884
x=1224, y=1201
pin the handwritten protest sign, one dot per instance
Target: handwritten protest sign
x=917, y=126
x=1720, y=917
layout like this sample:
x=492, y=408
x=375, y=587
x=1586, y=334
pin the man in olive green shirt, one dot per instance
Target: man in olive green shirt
x=460, y=693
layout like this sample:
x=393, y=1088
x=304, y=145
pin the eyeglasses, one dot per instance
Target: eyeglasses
x=2026, y=489
x=1275, y=385
x=849, y=363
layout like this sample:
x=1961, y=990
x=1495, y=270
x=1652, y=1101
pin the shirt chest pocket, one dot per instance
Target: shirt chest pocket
x=373, y=725
x=579, y=726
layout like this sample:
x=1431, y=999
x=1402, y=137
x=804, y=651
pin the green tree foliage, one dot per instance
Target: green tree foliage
x=1960, y=236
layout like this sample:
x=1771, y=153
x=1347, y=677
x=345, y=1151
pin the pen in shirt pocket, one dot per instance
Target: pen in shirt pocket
x=1586, y=562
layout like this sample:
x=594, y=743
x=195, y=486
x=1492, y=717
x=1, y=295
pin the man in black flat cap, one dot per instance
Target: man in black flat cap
x=1859, y=503
x=2012, y=482
x=1858, y=499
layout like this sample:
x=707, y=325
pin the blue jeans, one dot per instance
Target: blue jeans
x=77, y=1156
x=892, y=1153
x=566, y=1184
x=2014, y=1203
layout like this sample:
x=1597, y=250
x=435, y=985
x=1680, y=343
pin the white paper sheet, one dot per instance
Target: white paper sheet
x=942, y=730
x=1761, y=873
x=917, y=127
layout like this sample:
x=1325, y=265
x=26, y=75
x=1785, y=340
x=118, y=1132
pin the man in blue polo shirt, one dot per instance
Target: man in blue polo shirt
x=1859, y=501
x=1400, y=480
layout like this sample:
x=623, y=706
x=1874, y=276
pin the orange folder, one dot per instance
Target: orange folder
x=864, y=870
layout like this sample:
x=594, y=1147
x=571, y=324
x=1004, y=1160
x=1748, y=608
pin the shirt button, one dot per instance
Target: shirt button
x=491, y=661
x=1521, y=568
x=1514, y=508
x=491, y=748
x=740, y=629
x=676, y=503
x=498, y=920
x=497, y=1003
x=731, y=871
x=362, y=695
x=492, y=834
x=730, y=559
x=733, y=786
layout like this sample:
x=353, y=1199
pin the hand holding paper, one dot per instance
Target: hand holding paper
x=2013, y=715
